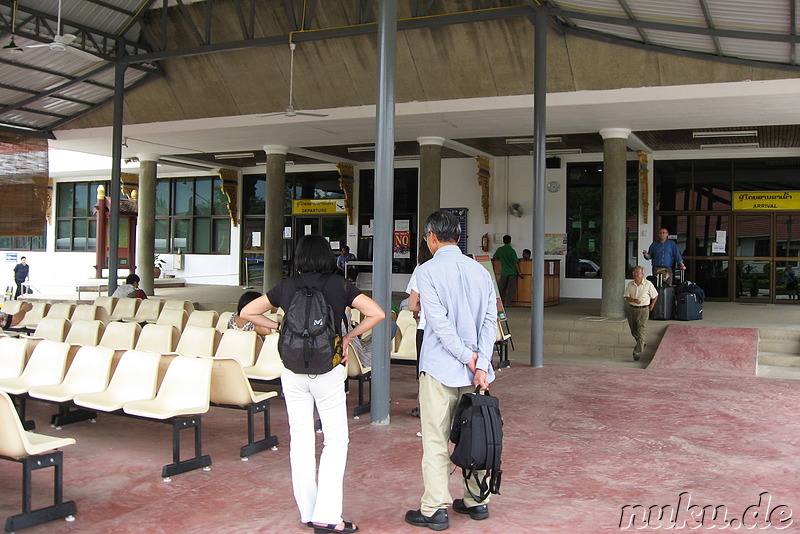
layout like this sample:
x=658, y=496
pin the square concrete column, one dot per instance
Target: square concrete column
x=613, y=246
x=430, y=180
x=273, y=216
x=146, y=221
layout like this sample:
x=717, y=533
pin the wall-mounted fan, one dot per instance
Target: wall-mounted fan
x=61, y=42
x=515, y=210
x=290, y=110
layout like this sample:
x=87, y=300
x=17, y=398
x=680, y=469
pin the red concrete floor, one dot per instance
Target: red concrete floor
x=580, y=443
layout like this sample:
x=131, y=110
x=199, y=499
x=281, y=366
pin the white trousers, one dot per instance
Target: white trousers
x=302, y=393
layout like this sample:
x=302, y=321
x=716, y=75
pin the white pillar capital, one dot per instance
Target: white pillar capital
x=615, y=133
x=431, y=140
x=148, y=156
x=276, y=149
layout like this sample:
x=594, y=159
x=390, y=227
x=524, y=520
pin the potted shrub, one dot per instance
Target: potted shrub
x=158, y=263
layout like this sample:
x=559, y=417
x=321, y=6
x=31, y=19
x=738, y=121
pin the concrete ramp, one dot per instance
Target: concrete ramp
x=701, y=348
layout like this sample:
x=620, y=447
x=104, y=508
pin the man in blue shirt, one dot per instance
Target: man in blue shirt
x=663, y=253
x=341, y=264
x=457, y=294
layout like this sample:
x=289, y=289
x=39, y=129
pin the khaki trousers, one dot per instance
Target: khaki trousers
x=637, y=320
x=437, y=404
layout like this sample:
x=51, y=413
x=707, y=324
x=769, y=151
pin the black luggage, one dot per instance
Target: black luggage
x=689, y=307
x=664, y=307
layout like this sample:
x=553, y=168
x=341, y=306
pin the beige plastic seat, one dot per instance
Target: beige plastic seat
x=406, y=337
x=240, y=345
x=198, y=341
x=501, y=346
x=45, y=368
x=230, y=387
x=120, y=335
x=204, y=318
x=11, y=306
x=89, y=312
x=125, y=309
x=268, y=364
x=185, y=305
x=52, y=328
x=224, y=319
x=356, y=370
x=185, y=390
x=134, y=379
x=355, y=316
x=89, y=373
x=158, y=338
x=61, y=309
x=106, y=302
x=13, y=352
x=34, y=451
x=148, y=311
x=176, y=318
x=34, y=315
x=85, y=333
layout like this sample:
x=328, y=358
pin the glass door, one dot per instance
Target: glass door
x=753, y=251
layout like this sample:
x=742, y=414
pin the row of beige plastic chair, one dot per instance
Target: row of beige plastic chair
x=33, y=451
x=133, y=385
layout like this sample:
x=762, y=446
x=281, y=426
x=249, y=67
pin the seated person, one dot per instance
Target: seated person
x=526, y=254
x=130, y=289
x=341, y=262
x=8, y=320
x=237, y=323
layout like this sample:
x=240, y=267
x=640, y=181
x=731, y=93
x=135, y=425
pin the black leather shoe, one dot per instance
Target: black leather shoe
x=477, y=513
x=636, y=356
x=437, y=521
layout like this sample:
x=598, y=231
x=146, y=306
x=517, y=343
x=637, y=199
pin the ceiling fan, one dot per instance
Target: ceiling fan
x=61, y=42
x=290, y=110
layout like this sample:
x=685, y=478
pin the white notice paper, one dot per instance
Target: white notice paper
x=722, y=236
x=307, y=230
x=717, y=248
x=256, y=239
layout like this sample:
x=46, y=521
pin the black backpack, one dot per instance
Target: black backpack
x=309, y=341
x=478, y=435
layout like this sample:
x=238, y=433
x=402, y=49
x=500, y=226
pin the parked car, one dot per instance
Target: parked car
x=588, y=269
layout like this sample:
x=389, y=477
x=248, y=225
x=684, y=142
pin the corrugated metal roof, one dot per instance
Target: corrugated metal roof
x=756, y=32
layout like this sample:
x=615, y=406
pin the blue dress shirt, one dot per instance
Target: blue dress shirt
x=457, y=294
x=664, y=254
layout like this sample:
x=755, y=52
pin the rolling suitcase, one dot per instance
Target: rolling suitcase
x=688, y=307
x=664, y=307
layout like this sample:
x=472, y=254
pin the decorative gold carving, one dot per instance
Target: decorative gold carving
x=346, y=182
x=484, y=179
x=644, y=176
x=230, y=187
x=128, y=183
x=47, y=200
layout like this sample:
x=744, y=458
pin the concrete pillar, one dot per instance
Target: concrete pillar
x=146, y=222
x=613, y=251
x=430, y=180
x=273, y=217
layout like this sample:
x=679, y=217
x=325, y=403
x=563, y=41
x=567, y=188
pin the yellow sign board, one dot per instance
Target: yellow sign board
x=766, y=200
x=318, y=207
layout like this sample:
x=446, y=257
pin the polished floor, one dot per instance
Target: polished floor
x=581, y=443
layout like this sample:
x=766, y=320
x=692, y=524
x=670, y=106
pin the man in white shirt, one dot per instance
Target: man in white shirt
x=641, y=295
x=457, y=294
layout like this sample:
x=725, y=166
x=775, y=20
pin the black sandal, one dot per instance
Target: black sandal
x=348, y=528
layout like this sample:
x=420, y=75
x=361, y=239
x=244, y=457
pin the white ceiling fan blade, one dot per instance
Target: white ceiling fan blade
x=83, y=54
x=66, y=39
